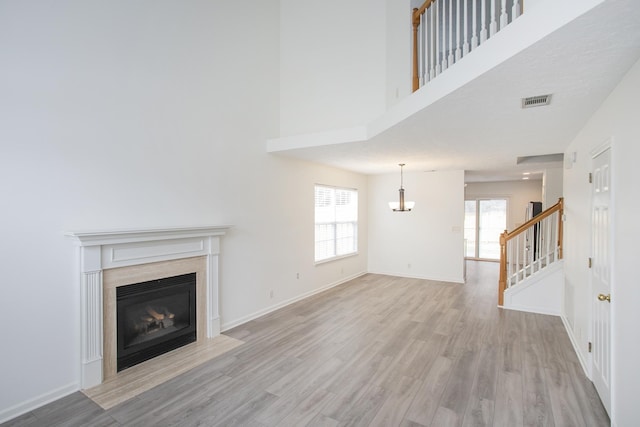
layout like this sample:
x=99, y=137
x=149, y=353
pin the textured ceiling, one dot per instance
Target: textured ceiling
x=481, y=127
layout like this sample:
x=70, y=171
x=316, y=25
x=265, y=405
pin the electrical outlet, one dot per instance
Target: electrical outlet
x=271, y=293
x=408, y=265
x=297, y=275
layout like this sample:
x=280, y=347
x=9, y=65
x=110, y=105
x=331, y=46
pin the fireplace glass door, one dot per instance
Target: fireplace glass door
x=155, y=317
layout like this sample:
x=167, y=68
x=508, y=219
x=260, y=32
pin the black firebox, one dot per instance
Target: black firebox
x=155, y=317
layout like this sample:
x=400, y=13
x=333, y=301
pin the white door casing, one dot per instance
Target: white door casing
x=601, y=274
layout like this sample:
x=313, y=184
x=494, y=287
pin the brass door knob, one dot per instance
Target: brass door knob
x=603, y=297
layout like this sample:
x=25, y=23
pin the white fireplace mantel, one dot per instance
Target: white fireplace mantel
x=102, y=250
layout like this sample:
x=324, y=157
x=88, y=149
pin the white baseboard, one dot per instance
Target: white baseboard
x=232, y=324
x=575, y=345
x=529, y=309
x=38, y=401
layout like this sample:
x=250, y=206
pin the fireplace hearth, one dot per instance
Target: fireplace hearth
x=154, y=317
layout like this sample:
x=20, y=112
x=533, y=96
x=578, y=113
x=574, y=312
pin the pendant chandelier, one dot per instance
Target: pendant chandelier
x=401, y=206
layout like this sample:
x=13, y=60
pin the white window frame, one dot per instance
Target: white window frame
x=334, y=223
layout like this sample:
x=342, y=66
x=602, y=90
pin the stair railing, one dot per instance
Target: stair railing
x=444, y=31
x=533, y=246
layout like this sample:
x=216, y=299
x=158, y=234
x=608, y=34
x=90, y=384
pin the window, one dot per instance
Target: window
x=336, y=222
x=484, y=221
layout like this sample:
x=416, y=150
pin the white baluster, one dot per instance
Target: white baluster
x=493, y=27
x=515, y=10
x=542, y=243
x=474, y=25
x=517, y=239
x=534, y=252
x=531, y=256
x=465, y=44
x=445, y=57
x=425, y=44
x=525, y=258
x=483, y=22
x=458, y=44
x=421, y=51
x=504, y=19
x=419, y=41
x=556, y=233
x=437, y=14
x=508, y=263
x=514, y=258
x=432, y=48
x=539, y=245
x=451, y=50
x=534, y=248
x=523, y=270
x=549, y=228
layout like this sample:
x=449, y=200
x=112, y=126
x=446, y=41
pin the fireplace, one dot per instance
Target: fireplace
x=109, y=260
x=154, y=317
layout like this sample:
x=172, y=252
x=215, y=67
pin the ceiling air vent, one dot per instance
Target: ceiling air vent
x=536, y=101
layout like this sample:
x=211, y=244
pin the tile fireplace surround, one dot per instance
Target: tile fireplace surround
x=107, y=254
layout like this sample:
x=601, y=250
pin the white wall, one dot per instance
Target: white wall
x=332, y=64
x=143, y=114
x=617, y=118
x=518, y=194
x=399, y=50
x=426, y=242
x=551, y=187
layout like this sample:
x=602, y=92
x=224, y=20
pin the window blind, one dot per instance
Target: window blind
x=336, y=222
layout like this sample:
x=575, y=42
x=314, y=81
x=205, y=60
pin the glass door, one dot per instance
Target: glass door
x=484, y=221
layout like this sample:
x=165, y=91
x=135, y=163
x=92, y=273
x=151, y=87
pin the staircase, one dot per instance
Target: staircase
x=531, y=271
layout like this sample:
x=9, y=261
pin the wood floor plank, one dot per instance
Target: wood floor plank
x=362, y=411
x=480, y=410
x=590, y=404
x=446, y=417
x=536, y=400
x=511, y=342
x=297, y=387
x=393, y=410
x=509, y=406
x=25, y=420
x=564, y=403
x=308, y=409
x=321, y=420
x=458, y=391
x=427, y=398
x=379, y=350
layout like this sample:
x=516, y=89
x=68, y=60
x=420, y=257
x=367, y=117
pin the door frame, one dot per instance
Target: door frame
x=599, y=149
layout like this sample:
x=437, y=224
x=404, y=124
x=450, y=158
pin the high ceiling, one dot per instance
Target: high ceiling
x=481, y=127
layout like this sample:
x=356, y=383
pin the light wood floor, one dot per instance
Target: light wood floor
x=147, y=375
x=378, y=351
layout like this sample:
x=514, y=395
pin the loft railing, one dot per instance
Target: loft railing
x=533, y=246
x=444, y=31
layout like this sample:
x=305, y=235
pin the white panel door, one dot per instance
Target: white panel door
x=601, y=275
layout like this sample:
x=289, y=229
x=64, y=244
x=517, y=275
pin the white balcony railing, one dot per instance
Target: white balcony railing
x=444, y=31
